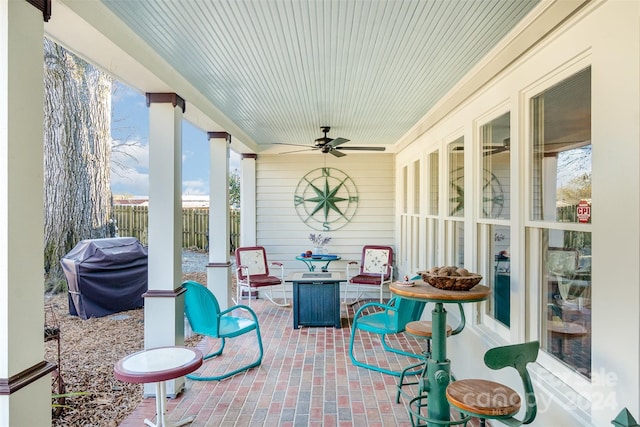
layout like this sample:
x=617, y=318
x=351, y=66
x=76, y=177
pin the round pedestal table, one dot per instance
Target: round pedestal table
x=438, y=367
x=157, y=365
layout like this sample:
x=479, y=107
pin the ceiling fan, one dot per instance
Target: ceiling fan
x=332, y=146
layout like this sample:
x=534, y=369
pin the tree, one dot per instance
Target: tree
x=125, y=137
x=77, y=151
x=234, y=188
x=577, y=189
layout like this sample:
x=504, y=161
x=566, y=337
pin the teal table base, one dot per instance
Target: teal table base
x=416, y=406
x=432, y=393
x=309, y=261
x=438, y=369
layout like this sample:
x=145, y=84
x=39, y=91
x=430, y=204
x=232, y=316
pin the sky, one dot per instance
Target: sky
x=130, y=148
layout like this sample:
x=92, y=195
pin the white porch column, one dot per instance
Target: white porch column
x=219, y=267
x=25, y=381
x=248, y=200
x=163, y=304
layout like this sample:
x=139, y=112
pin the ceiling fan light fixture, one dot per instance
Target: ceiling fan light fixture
x=323, y=141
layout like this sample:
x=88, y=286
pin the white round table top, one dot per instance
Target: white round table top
x=158, y=364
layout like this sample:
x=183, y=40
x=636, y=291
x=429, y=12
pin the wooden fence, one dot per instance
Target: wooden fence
x=568, y=214
x=133, y=221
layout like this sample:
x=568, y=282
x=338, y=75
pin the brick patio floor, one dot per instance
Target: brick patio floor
x=306, y=379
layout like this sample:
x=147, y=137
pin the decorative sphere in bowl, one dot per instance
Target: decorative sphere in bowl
x=451, y=278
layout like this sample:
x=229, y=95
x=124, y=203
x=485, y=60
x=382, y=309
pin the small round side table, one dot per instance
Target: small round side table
x=157, y=365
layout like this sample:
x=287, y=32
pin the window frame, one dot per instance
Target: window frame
x=533, y=228
x=483, y=224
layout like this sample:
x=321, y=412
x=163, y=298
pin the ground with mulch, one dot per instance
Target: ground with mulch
x=88, y=351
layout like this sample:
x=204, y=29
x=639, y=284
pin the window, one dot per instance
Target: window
x=456, y=177
x=433, y=210
x=566, y=275
x=496, y=162
x=561, y=150
x=500, y=274
x=404, y=189
x=434, y=183
x=560, y=208
x=416, y=187
x=455, y=243
x=454, y=229
x=494, y=232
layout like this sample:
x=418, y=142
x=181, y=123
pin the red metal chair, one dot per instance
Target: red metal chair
x=252, y=272
x=376, y=270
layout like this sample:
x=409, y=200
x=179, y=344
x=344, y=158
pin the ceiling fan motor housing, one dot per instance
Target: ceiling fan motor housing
x=321, y=142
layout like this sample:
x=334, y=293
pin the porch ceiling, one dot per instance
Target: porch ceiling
x=277, y=70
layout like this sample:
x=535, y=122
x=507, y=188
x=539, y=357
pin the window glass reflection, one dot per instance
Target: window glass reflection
x=434, y=183
x=455, y=243
x=456, y=177
x=566, y=272
x=496, y=163
x=499, y=279
x=561, y=151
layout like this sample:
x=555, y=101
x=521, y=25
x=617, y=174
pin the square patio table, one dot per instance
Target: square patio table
x=316, y=298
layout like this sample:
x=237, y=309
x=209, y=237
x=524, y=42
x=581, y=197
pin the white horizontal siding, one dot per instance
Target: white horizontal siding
x=284, y=234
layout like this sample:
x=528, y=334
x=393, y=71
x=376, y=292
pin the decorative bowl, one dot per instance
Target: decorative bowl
x=452, y=283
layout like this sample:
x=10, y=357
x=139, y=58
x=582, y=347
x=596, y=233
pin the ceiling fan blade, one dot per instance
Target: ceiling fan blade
x=362, y=148
x=495, y=151
x=298, y=151
x=292, y=145
x=337, y=153
x=338, y=141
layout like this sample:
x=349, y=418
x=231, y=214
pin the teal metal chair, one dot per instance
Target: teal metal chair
x=206, y=318
x=485, y=399
x=391, y=318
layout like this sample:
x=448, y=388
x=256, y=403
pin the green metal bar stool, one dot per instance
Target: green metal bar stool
x=485, y=399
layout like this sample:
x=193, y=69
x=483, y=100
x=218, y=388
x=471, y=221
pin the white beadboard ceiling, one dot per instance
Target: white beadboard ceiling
x=281, y=69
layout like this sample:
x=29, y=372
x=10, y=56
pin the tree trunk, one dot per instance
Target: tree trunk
x=77, y=153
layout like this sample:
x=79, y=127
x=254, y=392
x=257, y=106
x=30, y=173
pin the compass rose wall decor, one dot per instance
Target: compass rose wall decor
x=326, y=199
x=493, y=198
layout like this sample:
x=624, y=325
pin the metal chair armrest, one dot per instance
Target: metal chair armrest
x=351, y=263
x=247, y=275
x=279, y=264
x=390, y=306
x=382, y=279
x=240, y=307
